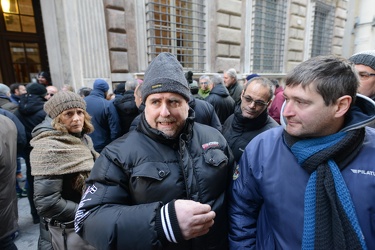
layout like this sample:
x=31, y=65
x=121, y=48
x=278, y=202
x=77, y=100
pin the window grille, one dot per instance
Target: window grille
x=178, y=27
x=322, y=29
x=268, y=36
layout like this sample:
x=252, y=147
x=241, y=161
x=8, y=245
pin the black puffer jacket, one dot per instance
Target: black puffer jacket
x=30, y=112
x=221, y=100
x=239, y=131
x=139, y=172
x=205, y=113
x=54, y=194
x=126, y=109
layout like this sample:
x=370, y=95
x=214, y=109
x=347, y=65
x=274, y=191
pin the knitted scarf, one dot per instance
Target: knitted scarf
x=58, y=153
x=330, y=220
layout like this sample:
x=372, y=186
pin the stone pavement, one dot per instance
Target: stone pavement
x=29, y=232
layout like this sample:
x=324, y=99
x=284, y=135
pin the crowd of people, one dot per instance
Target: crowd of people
x=173, y=162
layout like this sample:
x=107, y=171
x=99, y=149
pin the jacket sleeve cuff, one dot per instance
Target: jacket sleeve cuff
x=167, y=224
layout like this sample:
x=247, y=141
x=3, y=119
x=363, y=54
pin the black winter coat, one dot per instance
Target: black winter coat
x=126, y=109
x=221, y=100
x=205, y=113
x=127, y=188
x=30, y=112
x=235, y=92
x=239, y=131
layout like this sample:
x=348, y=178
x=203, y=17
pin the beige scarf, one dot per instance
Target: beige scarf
x=58, y=153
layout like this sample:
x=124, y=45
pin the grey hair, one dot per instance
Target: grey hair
x=204, y=77
x=131, y=84
x=216, y=79
x=232, y=73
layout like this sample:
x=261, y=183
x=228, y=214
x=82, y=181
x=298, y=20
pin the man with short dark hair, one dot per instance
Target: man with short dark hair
x=250, y=117
x=163, y=185
x=365, y=65
x=16, y=90
x=310, y=183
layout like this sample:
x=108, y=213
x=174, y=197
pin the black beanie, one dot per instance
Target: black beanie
x=36, y=89
x=165, y=74
x=365, y=57
x=120, y=89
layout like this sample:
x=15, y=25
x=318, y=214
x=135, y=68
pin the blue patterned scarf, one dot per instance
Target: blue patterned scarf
x=330, y=220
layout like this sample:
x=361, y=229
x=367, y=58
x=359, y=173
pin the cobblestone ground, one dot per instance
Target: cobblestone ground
x=28, y=232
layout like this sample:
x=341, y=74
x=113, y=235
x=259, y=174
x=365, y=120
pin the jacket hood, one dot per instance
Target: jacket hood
x=96, y=92
x=42, y=127
x=220, y=90
x=192, y=102
x=30, y=104
x=361, y=114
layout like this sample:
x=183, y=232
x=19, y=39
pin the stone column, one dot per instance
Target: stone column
x=76, y=39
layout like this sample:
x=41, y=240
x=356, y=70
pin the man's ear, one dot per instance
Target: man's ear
x=343, y=105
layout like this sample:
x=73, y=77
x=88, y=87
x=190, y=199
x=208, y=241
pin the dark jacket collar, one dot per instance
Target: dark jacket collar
x=241, y=123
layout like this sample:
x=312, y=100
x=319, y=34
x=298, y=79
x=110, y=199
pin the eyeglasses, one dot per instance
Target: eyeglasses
x=365, y=75
x=257, y=103
x=204, y=82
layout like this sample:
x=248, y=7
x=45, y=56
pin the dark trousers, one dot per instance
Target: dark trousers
x=8, y=244
x=30, y=181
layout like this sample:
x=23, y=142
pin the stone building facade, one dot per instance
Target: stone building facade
x=110, y=39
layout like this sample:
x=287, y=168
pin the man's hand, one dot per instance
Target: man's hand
x=194, y=218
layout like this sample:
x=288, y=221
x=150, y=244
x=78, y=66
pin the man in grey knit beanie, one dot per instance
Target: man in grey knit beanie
x=165, y=74
x=164, y=181
x=365, y=65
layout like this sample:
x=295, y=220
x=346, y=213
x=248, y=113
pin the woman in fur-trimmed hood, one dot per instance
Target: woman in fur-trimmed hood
x=61, y=160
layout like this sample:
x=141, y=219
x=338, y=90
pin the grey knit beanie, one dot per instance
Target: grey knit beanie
x=365, y=57
x=165, y=74
x=4, y=89
x=63, y=100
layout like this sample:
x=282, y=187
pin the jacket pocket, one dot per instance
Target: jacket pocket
x=153, y=170
x=215, y=157
x=149, y=183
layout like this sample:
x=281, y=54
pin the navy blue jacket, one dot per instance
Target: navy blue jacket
x=104, y=118
x=266, y=206
x=21, y=133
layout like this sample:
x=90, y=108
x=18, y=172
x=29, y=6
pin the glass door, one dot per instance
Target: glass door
x=21, y=41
